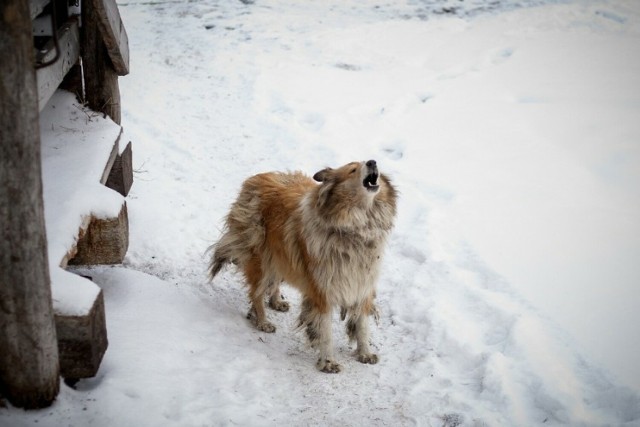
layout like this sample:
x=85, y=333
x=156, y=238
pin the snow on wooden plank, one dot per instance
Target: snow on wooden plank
x=104, y=241
x=82, y=341
x=77, y=143
x=72, y=295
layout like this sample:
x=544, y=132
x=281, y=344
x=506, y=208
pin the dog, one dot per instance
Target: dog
x=326, y=240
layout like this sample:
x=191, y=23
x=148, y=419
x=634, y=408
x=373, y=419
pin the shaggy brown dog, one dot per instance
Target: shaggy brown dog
x=326, y=240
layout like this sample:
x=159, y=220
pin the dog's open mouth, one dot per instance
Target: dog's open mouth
x=371, y=182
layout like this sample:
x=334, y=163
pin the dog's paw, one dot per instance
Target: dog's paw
x=368, y=358
x=279, y=305
x=328, y=366
x=266, y=327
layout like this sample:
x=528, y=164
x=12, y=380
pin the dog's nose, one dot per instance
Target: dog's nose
x=371, y=163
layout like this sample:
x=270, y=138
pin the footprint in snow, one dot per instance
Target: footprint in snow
x=348, y=67
x=412, y=252
x=425, y=97
x=499, y=56
x=394, y=153
x=611, y=16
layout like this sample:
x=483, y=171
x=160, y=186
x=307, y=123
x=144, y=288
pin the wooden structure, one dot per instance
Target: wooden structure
x=82, y=341
x=29, y=375
x=46, y=45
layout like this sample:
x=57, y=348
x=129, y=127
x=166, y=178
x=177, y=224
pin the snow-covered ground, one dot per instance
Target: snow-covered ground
x=509, y=292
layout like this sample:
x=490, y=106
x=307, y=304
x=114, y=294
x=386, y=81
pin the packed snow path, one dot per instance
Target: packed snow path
x=222, y=90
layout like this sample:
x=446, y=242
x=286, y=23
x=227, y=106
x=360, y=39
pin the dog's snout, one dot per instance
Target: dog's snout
x=372, y=167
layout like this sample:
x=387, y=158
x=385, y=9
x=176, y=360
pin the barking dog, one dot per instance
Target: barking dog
x=324, y=239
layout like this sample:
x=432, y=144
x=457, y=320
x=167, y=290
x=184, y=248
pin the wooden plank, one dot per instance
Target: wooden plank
x=29, y=372
x=49, y=78
x=37, y=6
x=121, y=176
x=100, y=78
x=114, y=34
x=82, y=341
x=105, y=241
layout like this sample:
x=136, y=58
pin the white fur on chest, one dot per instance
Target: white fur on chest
x=346, y=260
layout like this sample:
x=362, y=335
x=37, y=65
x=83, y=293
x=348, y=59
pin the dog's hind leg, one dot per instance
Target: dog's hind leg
x=258, y=286
x=276, y=301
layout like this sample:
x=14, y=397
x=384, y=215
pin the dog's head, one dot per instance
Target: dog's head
x=356, y=185
x=355, y=175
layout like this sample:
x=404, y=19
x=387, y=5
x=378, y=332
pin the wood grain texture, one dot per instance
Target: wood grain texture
x=29, y=368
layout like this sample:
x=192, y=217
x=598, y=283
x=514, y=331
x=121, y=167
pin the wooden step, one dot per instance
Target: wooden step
x=104, y=241
x=82, y=341
x=81, y=151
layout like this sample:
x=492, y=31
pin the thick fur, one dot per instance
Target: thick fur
x=325, y=239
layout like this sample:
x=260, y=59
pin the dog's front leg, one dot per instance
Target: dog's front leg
x=317, y=325
x=358, y=330
x=326, y=362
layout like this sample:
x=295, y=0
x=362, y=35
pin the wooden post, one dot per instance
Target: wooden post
x=100, y=78
x=29, y=367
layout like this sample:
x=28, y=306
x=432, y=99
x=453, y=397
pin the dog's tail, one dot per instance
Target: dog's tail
x=234, y=247
x=216, y=263
x=220, y=256
x=243, y=232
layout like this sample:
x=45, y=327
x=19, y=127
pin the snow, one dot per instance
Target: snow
x=76, y=144
x=508, y=294
x=72, y=295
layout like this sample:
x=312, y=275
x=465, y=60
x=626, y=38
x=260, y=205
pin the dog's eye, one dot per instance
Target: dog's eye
x=353, y=171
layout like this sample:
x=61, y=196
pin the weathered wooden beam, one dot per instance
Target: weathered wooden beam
x=100, y=77
x=49, y=78
x=82, y=341
x=113, y=33
x=29, y=368
x=121, y=175
x=105, y=241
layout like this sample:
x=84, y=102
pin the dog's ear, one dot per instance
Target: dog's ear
x=322, y=175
